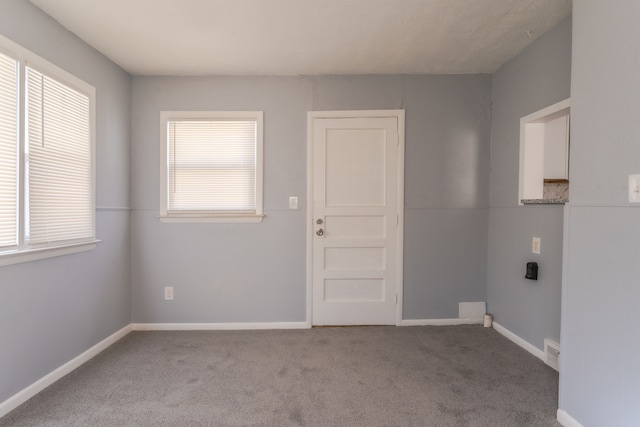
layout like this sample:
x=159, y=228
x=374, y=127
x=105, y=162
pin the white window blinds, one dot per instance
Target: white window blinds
x=58, y=151
x=8, y=152
x=211, y=166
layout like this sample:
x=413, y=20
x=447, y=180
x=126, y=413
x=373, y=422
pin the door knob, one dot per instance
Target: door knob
x=320, y=232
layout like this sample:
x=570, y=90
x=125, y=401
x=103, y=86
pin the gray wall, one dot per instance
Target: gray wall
x=536, y=78
x=52, y=310
x=600, y=373
x=256, y=272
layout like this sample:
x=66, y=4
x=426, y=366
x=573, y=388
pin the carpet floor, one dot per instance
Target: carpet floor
x=358, y=376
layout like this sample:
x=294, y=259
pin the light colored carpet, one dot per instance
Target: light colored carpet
x=359, y=376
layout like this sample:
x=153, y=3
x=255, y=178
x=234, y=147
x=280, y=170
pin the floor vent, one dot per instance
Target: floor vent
x=552, y=354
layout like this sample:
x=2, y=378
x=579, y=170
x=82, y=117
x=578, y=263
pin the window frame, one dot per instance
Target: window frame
x=26, y=58
x=208, y=215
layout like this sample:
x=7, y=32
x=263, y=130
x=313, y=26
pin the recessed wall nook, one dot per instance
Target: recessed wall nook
x=544, y=155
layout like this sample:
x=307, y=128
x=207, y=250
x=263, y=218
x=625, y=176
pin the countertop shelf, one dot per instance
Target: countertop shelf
x=544, y=201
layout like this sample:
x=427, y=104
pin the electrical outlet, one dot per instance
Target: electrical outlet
x=168, y=293
x=535, y=245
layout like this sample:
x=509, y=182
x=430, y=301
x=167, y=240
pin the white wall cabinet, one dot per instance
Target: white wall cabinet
x=556, y=148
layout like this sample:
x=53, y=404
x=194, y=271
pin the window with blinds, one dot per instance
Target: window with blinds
x=8, y=153
x=212, y=165
x=47, y=134
x=58, y=169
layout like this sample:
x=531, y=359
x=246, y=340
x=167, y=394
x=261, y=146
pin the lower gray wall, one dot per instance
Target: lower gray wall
x=220, y=272
x=444, y=258
x=536, y=78
x=256, y=272
x=600, y=373
x=53, y=310
x=528, y=308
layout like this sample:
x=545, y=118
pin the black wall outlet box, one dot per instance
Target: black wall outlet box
x=532, y=271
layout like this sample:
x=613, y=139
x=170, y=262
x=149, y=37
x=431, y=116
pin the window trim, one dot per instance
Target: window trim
x=210, y=216
x=17, y=257
x=25, y=58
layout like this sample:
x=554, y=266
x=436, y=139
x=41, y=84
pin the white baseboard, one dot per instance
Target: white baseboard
x=567, y=420
x=217, y=326
x=44, y=382
x=521, y=342
x=440, y=322
x=27, y=393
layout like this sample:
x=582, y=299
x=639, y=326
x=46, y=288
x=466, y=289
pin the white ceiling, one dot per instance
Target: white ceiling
x=307, y=37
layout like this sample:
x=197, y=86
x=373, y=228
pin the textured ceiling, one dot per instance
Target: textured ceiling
x=307, y=37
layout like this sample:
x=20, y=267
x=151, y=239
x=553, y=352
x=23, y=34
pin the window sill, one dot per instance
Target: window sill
x=28, y=255
x=194, y=218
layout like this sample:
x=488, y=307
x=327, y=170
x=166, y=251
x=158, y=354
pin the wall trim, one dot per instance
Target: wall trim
x=520, y=341
x=567, y=420
x=441, y=322
x=218, y=326
x=28, y=392
x=604, y=205
x=28, y=255
x=113, y=209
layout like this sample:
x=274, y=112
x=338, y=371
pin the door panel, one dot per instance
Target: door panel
x=355, y=159
x=353, y=290
x=354, y=258
x=354, y=227
x=355, y=213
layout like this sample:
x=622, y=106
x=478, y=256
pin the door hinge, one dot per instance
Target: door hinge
x=396, y=298
x=397, y=219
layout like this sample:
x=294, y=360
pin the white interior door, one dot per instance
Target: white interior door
x=356, y=214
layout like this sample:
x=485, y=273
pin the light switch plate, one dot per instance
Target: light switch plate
x=535, y=245
x=293, y=202
x=634, y=188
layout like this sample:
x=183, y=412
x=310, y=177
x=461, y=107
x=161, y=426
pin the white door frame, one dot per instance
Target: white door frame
x=311, y=116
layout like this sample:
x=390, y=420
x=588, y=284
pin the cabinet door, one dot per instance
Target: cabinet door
x=556, y=148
